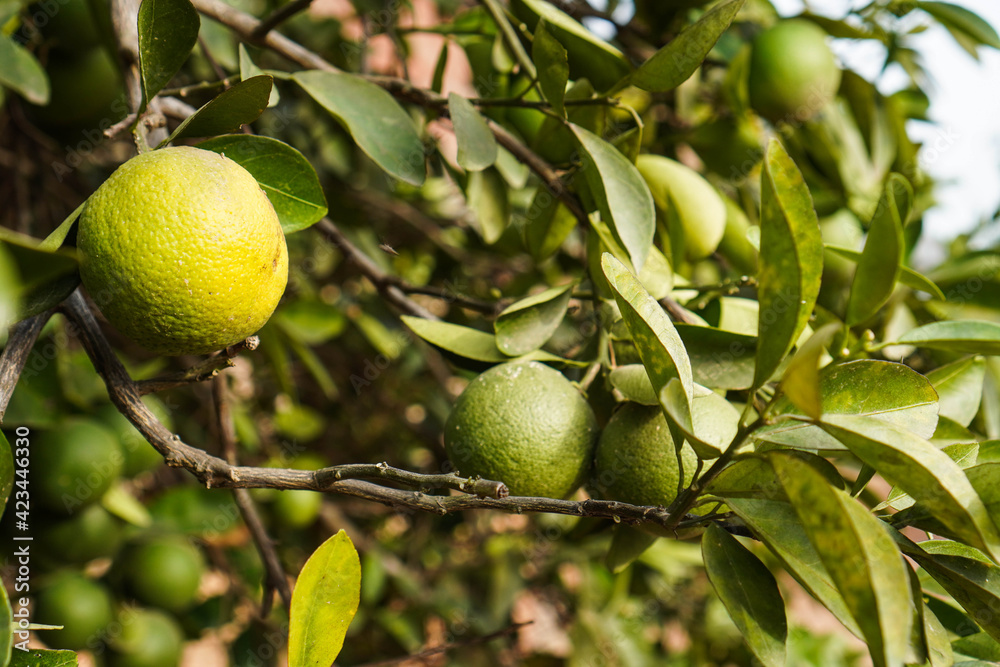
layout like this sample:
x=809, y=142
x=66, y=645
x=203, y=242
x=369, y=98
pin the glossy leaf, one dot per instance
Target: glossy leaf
x=627, y=544
x=800, y=382
x=42, y=658
x=552, y=64
x=791, y=260
x=284, y=174
x=380, y=127
x=324, y=601
x=547, y=223
x=966, y=336
x=465, y=342
x=21, y=72
x=959, y=386
x=884, y=390
x=859, y=555
x=249, y=69
x=621, y=195
x=907, y=276
x=921, y=470
x=528, y=324
x=228, y=111
x=488, y=202
x=719, y=359
x=749, y=592
x=676, y=62
x=878, y=268
x=477, y=147
x=168, y=30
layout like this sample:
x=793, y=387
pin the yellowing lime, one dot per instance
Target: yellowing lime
x=182, y=251
x=526, y=425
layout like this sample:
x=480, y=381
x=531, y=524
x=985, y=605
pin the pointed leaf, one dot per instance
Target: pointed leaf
x=921, y=470
x=791, y=260
x=227, y=112
x=489, y=206
x=959, y=386
x=59, y=234
x=800, y=382
x=284, y=174
x=966, y=336
x=468, y=343
x=907, y=276
x=676, y=62
x=21, y=72
x=750, y=593
x=552, y=64
x=961, y=19
x=324, y=601
x=621, y=195
x=42, y=658
x=168, y=30
x=860, y=556
x=380, y=127
x=249, y=69
x=528, y=324
x=627, y=544
x=477, y=147
x=878, y=268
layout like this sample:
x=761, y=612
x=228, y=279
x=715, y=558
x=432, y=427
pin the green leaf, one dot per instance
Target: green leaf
x=791, y=260
x=42, y=658
x=878, y=268
x=489, y=204
x=6, y=619
x=959, y=386
x=921, y=470
x=168, y=30
x=467, y=343
x=285, y=175
x=477, y=147
x=59, y=234
x=228, y=111
x=248, y=70
x=380, y=127
x=907, y=276
x=979, y=645
x=310, y=322
x=627, y=544
x=676, y=62
x=961, y=19
x=800, y=383
x=6, y=480
x=620, y=193
x=547, y=223
x=46, y=277
x=528, y=324
x=552, y=64
x=860, y=555
x=719, y=359
x=324, y=601
x=750, y=593
x=22, y=73
x=938, y=645
x=633, y=382
x=713, y=423
x=966, y=336
x=884, y=390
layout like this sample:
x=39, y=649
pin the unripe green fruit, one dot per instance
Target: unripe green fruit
x=148, y=638
x=694, y=202
x=793, y=73
x=526, y=425
x=164, y=571
x=80, y=461
x=140, y=456
x=729, y=147
x=92, y=533
x=87, y=92
x=82, y=606
x=735, y=246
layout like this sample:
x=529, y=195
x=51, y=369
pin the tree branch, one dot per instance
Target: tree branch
x=205, y=370
x=20, y=340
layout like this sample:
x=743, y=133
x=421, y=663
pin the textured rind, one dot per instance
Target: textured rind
x=182, y=251
x=526, y=425
x=636, y=461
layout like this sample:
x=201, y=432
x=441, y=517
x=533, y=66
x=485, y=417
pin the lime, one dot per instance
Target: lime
x=91, y=533
x=139, y=454
x=148, y=638
x=163, y=571
x=523, y=424
x=82, y=606
x=86, y=92
x=80, y=461
x=182, y=251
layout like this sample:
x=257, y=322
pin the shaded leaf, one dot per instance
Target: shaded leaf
x=959, y=386
x=749, y=592
x=547, y=223
x=719, y=359
x=380, y=127
x=800, y=383
x=489, y=206
x=967, y=336
x=676, y=62
x=627, y=544
x=248, y=70
x=168, y=30
x=477, y=147
x=713, y=424
x=324, y=601
x=620, y=193
x=22, y=73
x=228, y=111
x=633, y=382
x=47, y=277
x=552, y=64
x=285, y=175
x=528, y=324
x=907, y=276
x=791, y=260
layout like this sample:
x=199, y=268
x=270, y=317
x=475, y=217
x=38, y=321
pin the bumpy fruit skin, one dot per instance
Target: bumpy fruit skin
x=182, y=251
x=526, y=425
x=636, y=462
x=793, y=73
x=164, y=571
x=80, y=605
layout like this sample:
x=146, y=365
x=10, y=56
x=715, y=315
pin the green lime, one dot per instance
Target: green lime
x=89, y=534
x=82, y=606
x=86, y=92
x=79, y=461
x=523, y=424
x=139, y=454
x=148, y=638
x=182, y=251
x=163, y=571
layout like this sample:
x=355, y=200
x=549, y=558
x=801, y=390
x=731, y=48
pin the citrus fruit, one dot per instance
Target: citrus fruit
x=793, y=73
x=140, y=456
x=523, y=424
x=636, y=461
x=163, y=571
x=82, y=460
x=82, y=606
x=86, y=92
x=148, y=638
x=71, y=26
x=182, y=251
x=91, y=533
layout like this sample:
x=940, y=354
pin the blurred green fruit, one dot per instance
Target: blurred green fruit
x=693, y=201
x=793, y=73
x=87, y=92
x=139, y=454
x=82, y=460
x=71, y=26
x=297, y=508
x=91, y=533
x=149, y=638
x=735, y=246
x=731, y=147
x=163, y=571
x=82, y=606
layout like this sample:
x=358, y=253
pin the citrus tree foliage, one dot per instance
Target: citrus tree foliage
x=658, y=210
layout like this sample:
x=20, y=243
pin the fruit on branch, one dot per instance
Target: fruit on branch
x=526, y=425
x=182, y=251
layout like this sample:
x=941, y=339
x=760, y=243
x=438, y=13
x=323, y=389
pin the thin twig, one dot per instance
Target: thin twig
x=277, y=17
x=483, y=488
x=205, y=370
x=449, y=295
x=20, y=340
x=437, y=650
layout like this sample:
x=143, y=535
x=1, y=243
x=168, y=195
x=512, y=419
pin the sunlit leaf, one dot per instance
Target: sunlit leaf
x=228, y=112
x=528, y=324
